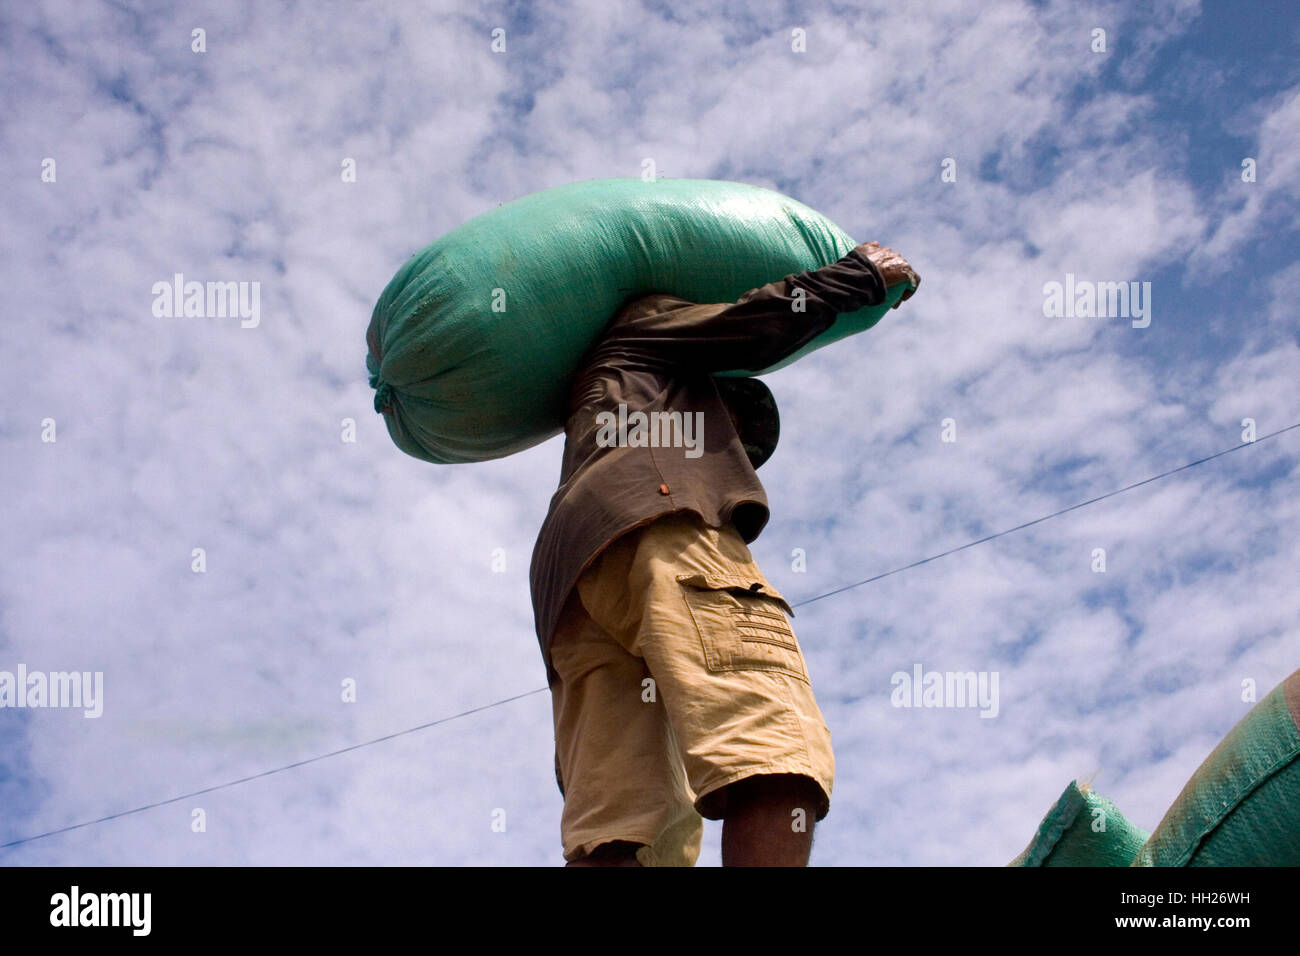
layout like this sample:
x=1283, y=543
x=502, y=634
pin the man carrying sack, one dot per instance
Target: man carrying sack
x=678, y=687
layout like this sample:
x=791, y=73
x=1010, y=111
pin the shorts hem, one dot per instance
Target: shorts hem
x=802, y=770
x=587, y=846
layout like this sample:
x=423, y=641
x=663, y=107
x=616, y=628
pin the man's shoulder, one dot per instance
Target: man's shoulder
x=650, y=304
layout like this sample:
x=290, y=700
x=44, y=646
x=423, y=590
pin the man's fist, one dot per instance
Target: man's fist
x=892, y=266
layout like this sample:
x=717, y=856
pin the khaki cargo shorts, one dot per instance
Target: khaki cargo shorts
x=678, y=674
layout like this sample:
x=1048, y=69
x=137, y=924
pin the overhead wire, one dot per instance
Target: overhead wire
x=507, y=700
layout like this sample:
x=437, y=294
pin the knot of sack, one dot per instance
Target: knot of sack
x=383, y=393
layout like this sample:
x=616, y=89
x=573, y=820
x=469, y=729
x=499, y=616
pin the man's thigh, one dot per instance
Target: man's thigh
x=617, y=760
x=715, y=637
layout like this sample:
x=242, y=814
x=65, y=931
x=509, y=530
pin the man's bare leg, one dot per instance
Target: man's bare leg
x=760, y=824
x=617, y=853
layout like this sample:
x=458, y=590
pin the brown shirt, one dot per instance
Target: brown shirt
x=656, y=356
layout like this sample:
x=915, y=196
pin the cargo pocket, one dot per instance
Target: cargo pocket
x=742, y=624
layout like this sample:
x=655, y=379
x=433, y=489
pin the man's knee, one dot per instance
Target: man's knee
x=614, y=853
x=794, y=790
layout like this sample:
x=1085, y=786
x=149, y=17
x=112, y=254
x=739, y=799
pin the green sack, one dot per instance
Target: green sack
x=1242, y=806
x=474, y=342
x=1083, y=829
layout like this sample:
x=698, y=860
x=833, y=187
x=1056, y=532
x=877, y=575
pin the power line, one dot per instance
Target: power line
x=267, y=773
x=1054, y=514
x=506, y=700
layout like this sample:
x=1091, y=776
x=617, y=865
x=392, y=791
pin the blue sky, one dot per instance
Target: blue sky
x=329, y=560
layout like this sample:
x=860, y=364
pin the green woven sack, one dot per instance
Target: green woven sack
x=1082, y=829
x=1242, y=806
x=474, y=342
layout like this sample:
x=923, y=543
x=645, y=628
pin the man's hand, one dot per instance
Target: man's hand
x=893, y=267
